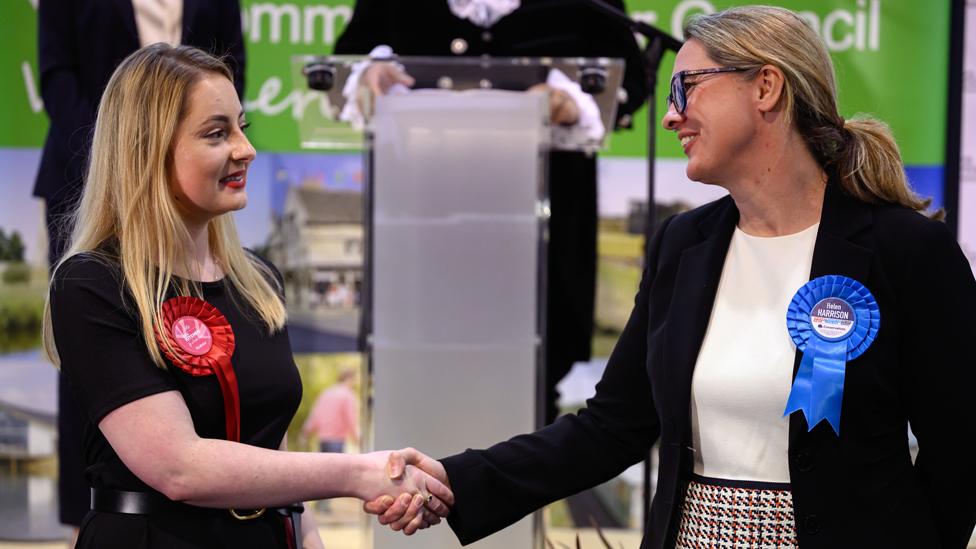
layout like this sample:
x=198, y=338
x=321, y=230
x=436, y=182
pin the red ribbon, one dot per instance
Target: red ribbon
x=201, y=342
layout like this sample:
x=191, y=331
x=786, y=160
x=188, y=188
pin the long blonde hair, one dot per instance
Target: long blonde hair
x=862, y=152
x=127, y=200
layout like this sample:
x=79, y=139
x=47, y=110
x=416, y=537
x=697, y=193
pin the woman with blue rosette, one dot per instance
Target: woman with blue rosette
x=173, y=336
x=783, y=339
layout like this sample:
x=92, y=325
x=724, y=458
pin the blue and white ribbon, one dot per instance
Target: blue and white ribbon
x=832, y=319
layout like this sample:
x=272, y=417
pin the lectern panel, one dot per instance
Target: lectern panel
x=455, y=194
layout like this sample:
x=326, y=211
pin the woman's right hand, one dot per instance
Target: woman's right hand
x=425, y=498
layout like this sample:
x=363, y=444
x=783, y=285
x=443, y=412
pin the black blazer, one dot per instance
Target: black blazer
x=538, y=28
x=80, y=42
x=856, y=490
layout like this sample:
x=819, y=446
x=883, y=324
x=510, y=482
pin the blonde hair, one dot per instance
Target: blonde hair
x=862, y=152
x=127, y=200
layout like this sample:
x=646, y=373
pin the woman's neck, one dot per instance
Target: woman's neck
x=784, y=192
x=198, y=262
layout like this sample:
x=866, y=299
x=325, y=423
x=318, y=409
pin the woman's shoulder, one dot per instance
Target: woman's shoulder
x=93, y=266
x=923, y=250
x=89, y=283
x=907, y=228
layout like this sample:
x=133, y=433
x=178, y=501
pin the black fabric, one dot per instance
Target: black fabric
x=859, y=489
x=105, y=360
x=72, y=487
x=554, y=28
x=80, y=42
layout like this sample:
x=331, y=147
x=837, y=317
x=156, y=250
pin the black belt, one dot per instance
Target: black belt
x=150, y=503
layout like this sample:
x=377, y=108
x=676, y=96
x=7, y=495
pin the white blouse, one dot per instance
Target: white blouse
x=745, y=368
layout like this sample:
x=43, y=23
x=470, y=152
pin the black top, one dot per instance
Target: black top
x=104, y=356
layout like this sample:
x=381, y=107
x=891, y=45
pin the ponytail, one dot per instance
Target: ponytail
x=870, y=167
x=864, y=156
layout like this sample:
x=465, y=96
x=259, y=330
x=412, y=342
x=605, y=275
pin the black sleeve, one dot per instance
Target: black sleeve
x=938, y=379
x=66, y=103
x=368, y=28
x=98, y=339
x=496, y=487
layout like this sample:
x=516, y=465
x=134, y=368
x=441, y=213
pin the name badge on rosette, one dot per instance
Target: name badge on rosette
x=832, y=319
x=200, y=341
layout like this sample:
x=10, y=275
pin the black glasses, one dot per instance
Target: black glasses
x=678, y=96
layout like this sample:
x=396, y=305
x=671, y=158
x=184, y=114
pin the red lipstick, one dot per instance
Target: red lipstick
x=236, y=180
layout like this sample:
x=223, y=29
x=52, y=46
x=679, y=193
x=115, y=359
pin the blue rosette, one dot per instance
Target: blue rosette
x=832, y=319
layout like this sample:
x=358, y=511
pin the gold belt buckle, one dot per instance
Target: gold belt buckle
x=250, y=516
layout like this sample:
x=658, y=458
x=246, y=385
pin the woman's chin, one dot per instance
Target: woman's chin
x=695, y=172
x=239, y=202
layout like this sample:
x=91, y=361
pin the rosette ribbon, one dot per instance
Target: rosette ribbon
x=199, y=340
x=832, y=319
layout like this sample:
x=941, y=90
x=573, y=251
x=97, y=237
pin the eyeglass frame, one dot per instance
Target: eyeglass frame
x=678, y=84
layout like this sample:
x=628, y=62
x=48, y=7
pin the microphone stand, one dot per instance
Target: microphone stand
x=658, y=42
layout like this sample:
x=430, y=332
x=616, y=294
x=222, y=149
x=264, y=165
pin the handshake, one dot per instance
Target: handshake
x=408, y=490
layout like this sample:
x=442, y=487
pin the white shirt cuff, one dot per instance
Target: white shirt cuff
x=589, y=127
x=350, y=111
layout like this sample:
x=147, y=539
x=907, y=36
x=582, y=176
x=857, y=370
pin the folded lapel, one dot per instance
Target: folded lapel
x=698, y=275
x=835, y=253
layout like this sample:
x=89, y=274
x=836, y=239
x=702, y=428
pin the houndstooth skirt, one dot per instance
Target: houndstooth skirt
x=733, y=514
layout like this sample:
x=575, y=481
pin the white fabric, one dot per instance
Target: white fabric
x=350, y=111
x=159, y=21
x=588, y=127
x=744, y=370
x=483, y=13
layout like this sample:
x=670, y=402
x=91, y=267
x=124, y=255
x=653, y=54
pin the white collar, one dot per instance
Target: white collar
x=483, y=13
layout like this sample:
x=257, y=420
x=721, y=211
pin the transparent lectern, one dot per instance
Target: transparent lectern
x=456, y=219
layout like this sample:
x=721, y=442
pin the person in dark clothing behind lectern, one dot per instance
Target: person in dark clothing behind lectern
x=526, y=28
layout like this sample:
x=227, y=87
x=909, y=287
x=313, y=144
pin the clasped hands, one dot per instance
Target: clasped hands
x=381, y=76
x=414, y=494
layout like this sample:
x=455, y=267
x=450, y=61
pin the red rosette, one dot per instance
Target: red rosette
x=199, y=340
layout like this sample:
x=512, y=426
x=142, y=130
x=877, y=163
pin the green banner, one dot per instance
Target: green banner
x=873, y=42
x=22, y=119
x=891, y=59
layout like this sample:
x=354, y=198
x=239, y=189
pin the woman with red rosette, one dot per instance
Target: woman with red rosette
x=173, y=336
